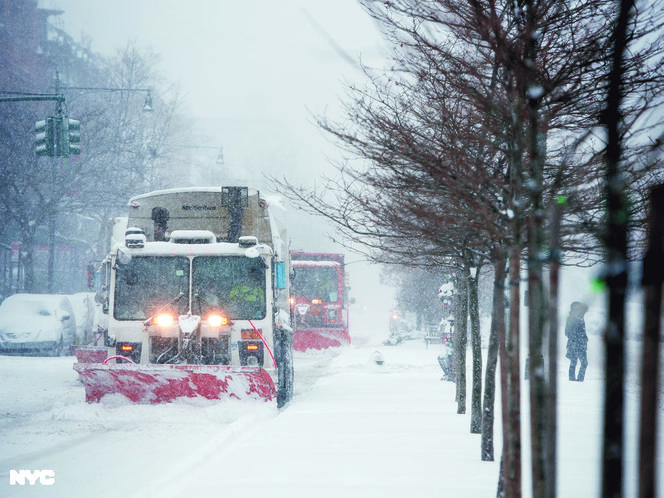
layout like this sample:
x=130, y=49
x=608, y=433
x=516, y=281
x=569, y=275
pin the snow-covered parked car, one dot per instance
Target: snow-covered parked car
x=40, y=324
x=84, y=305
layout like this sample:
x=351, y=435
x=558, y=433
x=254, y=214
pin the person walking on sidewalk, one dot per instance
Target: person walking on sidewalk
x=577, y=341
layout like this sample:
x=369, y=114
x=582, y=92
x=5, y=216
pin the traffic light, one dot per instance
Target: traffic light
x=73, y=136
x=45, y=137
x=60, y=136
x=67, y=136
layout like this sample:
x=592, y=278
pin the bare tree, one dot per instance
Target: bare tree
x=487, y=120
x=122, y=154
x=126, y=151
x=616, y=245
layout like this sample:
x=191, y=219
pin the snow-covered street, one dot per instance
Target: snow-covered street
x=354, y=428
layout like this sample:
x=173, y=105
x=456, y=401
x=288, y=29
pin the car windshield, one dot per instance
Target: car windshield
x=148, y=284
x=232, y=284
x=316, y=282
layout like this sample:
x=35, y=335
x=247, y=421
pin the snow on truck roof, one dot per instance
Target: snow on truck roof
x=183, y=190
x=226, y=211
x=214, y=249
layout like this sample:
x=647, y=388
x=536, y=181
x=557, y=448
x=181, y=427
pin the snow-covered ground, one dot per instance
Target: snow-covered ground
x=353, y=429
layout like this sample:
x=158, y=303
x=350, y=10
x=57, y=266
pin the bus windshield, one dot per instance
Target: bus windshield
x=316, y=282
x=149, y=284
x=234, y=285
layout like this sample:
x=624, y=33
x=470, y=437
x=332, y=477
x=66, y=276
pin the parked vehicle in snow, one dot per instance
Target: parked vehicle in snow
x=401, y=329
x=38, y=324
x=196, y=300
x=319, y=301
x=83, y=304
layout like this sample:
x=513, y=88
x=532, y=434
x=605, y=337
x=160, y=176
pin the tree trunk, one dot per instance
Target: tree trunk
x=476, y=346
x=653, y=278
x=496, y=335
x=500, y=489
x=510, y=387
x=536, y=298
x=50, y=267
x=513, y=373
x=461, y=340
x=552, y=394
x=616, y=247
x=536, y=321
x=27, y=259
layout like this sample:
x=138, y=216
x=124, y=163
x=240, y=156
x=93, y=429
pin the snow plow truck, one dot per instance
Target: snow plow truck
x=319, y=301
x=196, y=302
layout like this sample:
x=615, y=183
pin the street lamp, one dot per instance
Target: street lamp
x=147, y=106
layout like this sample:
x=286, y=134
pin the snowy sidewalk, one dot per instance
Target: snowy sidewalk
x=363, y=430
x=353, y=429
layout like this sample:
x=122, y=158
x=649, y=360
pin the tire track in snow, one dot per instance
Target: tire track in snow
x=310, y=367
x=180, y=471
x=42, y=454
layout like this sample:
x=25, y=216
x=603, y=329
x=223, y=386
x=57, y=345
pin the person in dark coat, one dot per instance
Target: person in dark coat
x=577, y=340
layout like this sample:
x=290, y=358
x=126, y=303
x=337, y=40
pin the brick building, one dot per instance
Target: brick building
x=32, y=50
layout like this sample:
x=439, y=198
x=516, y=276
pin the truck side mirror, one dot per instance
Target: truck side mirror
x=280, y=274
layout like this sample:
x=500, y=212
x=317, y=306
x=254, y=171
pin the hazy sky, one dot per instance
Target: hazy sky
x=253, y=72
x=258, y=59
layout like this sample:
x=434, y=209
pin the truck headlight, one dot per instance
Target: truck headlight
x=217, y=320
x=164, y=320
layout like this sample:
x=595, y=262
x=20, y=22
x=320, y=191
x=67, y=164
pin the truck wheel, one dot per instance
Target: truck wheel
x=286, y=378
x=284, y=350
x=285, y=391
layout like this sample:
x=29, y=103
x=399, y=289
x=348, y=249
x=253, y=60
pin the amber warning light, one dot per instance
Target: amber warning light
x=217, y=320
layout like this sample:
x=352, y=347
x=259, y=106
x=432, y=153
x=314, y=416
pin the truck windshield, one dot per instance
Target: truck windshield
x=232, y=284
x=149, y=284
x=316, y=282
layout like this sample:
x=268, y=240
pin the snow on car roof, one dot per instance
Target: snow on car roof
x=50, y=299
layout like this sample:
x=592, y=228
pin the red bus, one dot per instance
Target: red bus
x=319, y=301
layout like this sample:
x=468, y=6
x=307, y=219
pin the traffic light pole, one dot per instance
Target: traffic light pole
x=36, y=97
x=59, y=136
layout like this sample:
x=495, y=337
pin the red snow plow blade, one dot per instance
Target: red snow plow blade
x=90, y=354
x=164, y=383
x=320, y=339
